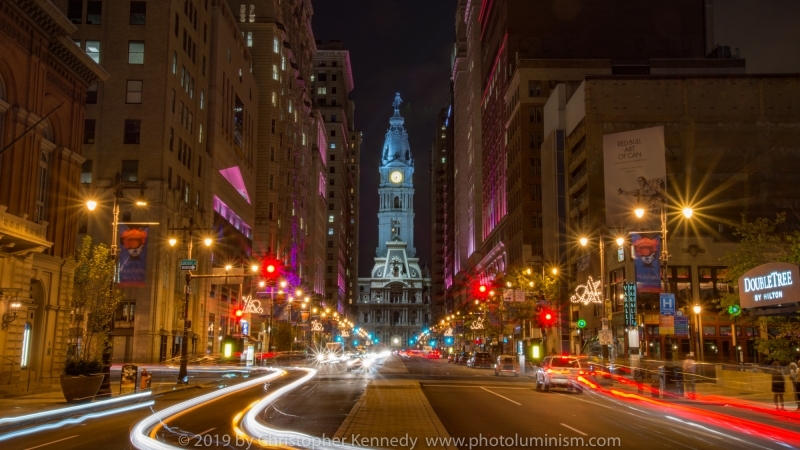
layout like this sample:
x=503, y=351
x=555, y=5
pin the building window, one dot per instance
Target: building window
x=135, y=52
x=130, y=170
x=202, y=99
x=93, y=50
x=200, y=135
x=238, y=122
x=249, y=38
x=275, y=45
x=535, y=140
x=132, y=129
x=269, y=211
x=274, y=71
x=713, y=283
x=252, y=15
x=330, y=231
x=86, y=172
x=536, y=114
x=534, y=88
x=322, y=90
x=75, y=11
x=330, y=218
x=88, y=131
x=94, y=11
x=138, y=13
x=41, y=195
x=134, y=91
x=91, y=94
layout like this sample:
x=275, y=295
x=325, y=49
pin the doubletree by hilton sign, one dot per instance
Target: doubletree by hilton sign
x=769, y=285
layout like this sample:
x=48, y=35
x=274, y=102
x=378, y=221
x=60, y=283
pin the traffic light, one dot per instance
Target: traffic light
x=271, y=269
x=581, y=323
x=480, y=292
x=239, y=314
x=547, y=318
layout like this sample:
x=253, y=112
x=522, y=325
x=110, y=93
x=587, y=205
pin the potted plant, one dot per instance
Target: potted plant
x=94, y=302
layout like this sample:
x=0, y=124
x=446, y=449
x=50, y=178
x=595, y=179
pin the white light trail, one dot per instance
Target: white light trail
x=73, y=420
x=140, y=433
x=262, y=434
x=70, y=409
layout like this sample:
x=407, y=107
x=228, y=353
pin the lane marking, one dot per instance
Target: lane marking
x=470, y=386
x=574, y=429
x=38, y=446
x=204, y=432
x=495, y=393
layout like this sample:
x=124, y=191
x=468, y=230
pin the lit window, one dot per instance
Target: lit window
x=275, y=45
x=283, y=62
x=274, y=71
x=333, y=145
x=93, y=50
x=202, y=99
x=135, y=52
x=330, y=231
x=249, y=38
x=274, y=99
x=322, y=90
x=330, y=218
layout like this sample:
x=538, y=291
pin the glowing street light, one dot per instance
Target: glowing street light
x=584, y=241
x=687, y=212
x=91, y=204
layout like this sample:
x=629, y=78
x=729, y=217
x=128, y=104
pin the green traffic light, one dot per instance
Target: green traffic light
x=581, y=323
x=734, y=310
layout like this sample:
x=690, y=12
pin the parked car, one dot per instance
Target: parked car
x=563, y=372
x=433, y=354
x=506, y=364
x=480, y=359
x=462, y=357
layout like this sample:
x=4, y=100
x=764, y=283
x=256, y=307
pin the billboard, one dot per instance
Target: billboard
x=769, y=284
x=635, y=175
x=645, y=248
x=133, y=256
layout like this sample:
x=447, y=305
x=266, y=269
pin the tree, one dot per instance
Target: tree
x=94, y=302
x=763, y=241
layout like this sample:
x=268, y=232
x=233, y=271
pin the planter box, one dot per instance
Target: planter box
x=80, y=389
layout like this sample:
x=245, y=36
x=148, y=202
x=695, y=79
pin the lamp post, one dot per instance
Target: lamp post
x=118, y=189
x=687, y=211
x=697, y=310
x=182, y=372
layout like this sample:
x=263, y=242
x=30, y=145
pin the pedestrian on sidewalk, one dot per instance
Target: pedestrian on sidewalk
x=689, y=370
x=778, y=385
x=794, y=374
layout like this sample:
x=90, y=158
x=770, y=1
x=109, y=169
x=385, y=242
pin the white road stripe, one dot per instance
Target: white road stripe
x=495, y=393
x=574, y=429
x=31, y=448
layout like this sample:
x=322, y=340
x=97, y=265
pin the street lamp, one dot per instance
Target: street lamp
x=183, y=377
x=697, y=310
x=119, y=189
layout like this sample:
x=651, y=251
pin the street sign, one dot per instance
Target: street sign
x=681, y=326
x=605, y=337
x=245, y=328
x=188, y=264
x=629, y=304
x=667, y=304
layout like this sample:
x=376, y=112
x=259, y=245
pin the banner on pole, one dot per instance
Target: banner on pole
x=645, y=248
x=133, y=256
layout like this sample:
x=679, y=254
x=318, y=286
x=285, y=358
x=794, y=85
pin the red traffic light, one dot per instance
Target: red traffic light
x=270, y=268
x=239, y=313
x=482, y=289
x=548, y=317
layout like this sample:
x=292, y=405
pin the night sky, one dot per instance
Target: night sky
x=405, y=46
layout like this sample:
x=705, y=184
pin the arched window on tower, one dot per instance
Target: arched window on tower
x=397, y=202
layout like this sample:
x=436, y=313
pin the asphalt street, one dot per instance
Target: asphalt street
x=513, y=410
x=472, y=404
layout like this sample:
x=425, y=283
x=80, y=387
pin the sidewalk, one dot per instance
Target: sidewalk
x=392, y=409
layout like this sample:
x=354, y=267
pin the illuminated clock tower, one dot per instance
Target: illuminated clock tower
x=396, y=191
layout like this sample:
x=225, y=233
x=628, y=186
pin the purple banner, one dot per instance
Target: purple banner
x=133, y=256
x=645, y=251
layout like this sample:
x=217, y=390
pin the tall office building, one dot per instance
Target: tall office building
x=331, y=85
x=394, y=303
x=442, y=208
x=175, y=125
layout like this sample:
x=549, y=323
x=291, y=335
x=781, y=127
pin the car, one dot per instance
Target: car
x=433, y=354
x=563, y=372
x=506, y=364
x=360, y=362
x=451, y=358
x=462, y=357
x=480, y=359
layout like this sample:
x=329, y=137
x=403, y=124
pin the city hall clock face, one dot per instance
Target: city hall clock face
x=396, y=176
